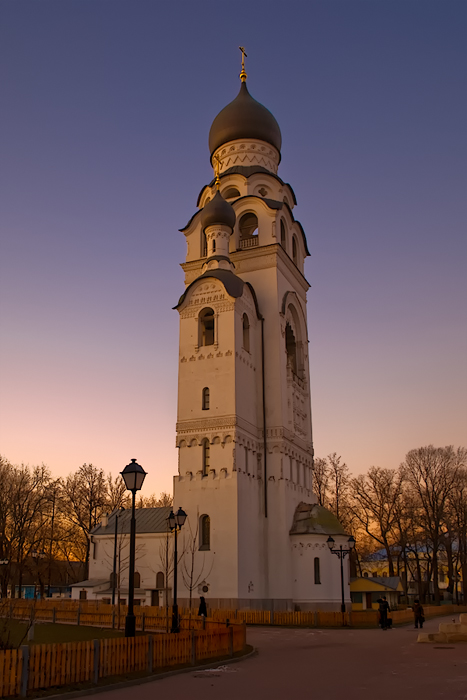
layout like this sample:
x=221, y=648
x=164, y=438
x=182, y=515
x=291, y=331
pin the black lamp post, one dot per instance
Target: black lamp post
x=176, y=522
x=133, y=476
x=114, y=570
x=341, y=552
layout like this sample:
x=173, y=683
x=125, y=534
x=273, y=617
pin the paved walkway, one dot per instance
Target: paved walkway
x=325, y=665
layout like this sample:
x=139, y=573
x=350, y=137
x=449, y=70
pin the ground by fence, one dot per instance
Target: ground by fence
x=44, y=666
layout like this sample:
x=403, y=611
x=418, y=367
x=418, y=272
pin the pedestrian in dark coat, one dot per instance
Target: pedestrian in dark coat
x=419, y=618
x=202, y=607
x=383, y=612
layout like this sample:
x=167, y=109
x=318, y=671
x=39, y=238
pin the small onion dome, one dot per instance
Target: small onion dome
x=218, y=211
x=244, y=118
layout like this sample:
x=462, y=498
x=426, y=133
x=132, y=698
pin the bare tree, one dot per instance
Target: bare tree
x=152, y=501
x=194, y=571
x=433, y=473
x=321, y=480
x=85, y=500
x=375, y=499
x=338, y=487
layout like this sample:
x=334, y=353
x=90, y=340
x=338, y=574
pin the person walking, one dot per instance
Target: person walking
x=418, y=614
x=383, y=612
x=202, y=610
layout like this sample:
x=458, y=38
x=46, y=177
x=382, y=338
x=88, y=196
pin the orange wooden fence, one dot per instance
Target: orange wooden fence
x=151, y=619
x=43, y=666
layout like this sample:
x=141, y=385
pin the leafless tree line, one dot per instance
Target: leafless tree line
x=417, y=513
x=43, y=519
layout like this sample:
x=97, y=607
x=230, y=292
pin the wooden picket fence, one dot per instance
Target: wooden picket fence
x=152, y=619
x=44, y=666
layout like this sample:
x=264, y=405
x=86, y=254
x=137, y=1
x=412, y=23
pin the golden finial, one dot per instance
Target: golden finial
x=243, y=76
x=217, y=166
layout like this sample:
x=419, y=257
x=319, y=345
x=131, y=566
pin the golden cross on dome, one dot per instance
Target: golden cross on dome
x=243, y=76
x=217, y=166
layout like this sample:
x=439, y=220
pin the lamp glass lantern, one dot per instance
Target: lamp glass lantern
x=133, y=475
x=180, y=517
x=331, y=542
x=351, y=542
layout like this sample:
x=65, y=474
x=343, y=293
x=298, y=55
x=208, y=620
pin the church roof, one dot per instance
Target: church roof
x=244, y=118
x=218, y=211
x=313, y=519
x=233, y=284
x=147, y=520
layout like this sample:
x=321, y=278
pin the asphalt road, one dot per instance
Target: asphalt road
x=324, y=665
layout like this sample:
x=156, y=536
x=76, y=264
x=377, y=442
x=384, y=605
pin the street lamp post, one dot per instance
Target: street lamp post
x=133, y=476
x=176, y=522
x=341, y=552
x=114, y=571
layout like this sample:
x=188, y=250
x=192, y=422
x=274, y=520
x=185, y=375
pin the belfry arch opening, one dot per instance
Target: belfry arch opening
x=248, y=226
x=246, y=333
x=283, y=236
x=206, y=327
x=291, y=348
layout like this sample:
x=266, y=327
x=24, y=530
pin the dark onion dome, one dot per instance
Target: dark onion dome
x=244, y=118
x=218, y=211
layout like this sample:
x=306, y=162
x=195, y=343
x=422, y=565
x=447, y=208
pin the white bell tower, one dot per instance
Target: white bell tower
x=244, y=413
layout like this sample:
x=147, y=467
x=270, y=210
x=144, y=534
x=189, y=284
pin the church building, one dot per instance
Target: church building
x=244, y=429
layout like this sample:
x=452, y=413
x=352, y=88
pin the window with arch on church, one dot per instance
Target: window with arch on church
x=205, y=399
x=283, y=237
x=317, y=571
x=246, y=333
x=205, y=532
x=248, y=226
x=206, y=456
x=230, y=193
x=160, y=580
x=204, y=246
x=294, y=250
x=291, y=348
x=137, y=579
x=206, y=327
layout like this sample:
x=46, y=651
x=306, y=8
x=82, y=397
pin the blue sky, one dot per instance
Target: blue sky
x=106, y=110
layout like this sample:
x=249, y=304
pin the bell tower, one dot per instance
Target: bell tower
x=244, y=412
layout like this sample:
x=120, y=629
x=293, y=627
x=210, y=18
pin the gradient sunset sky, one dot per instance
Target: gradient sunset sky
x=106, y=108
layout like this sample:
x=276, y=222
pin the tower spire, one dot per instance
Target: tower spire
x=243, y=76
x=217, y=165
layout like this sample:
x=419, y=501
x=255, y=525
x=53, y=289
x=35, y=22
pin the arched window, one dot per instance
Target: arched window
x=365, y=574
x=206, y=327
x=205, y=399
x=317, y=572
x=283, y=238
x=230, y=193
x=291, y=348
x=246, y=333
x=160, y=580
x=294, y=250
x=205, y=532
x=206, y=456
x=204, y=246
x=137, y=579
x=248, y=225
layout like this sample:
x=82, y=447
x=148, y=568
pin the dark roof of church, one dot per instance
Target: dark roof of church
x=313, y=519
x=233, y=284
x=244, y=118
x=218, y=211
x=147, y=520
